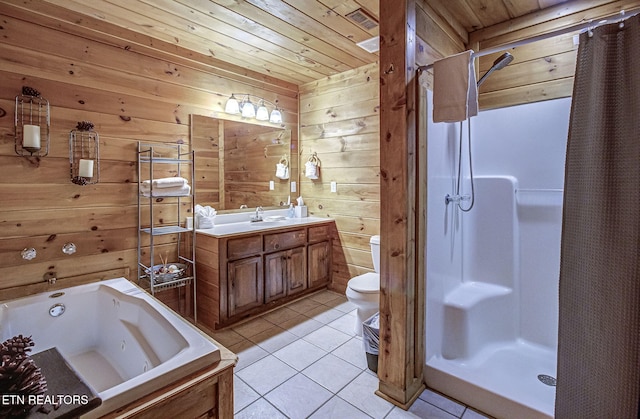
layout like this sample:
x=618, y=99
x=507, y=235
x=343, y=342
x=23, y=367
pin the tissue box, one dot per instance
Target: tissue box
x=301, y=211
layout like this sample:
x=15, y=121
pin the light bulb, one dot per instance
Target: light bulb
x=232, y=106
x=248, y=110
x=276, y=117
x=263, y=113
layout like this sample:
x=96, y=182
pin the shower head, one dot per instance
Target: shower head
x=500, y=63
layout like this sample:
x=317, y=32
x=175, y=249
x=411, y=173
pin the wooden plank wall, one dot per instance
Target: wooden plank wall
x=131, y=90
x=436, y=37
x=541, y=70
x=339, y=120
x=544, y=69
x=206, y=141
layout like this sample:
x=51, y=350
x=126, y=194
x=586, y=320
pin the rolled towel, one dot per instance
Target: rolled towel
x=183, y=190
x=205, y=216
x=167, y=182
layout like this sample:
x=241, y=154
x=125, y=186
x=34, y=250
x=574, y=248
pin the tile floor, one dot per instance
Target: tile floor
x=304, y=361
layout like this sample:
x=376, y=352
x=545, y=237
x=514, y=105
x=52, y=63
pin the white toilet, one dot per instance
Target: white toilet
x=364, y=290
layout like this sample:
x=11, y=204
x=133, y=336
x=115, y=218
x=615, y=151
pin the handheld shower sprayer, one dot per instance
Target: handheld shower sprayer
x=500, y=63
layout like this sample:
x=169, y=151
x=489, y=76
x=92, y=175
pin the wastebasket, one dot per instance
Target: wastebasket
x=371, y=340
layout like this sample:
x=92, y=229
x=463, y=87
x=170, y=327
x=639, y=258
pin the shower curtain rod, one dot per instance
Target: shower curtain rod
x=619, y=17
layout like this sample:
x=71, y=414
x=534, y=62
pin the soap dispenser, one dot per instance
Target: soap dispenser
x=291, y=213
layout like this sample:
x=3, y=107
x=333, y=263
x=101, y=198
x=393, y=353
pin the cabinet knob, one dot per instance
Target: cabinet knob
x=276, y=246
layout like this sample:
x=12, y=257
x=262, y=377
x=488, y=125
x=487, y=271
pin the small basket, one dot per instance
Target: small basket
x=161, y=277
x=312, y=167
x=282, y=168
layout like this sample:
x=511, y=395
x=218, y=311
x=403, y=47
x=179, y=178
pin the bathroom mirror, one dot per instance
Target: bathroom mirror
x=236, y=163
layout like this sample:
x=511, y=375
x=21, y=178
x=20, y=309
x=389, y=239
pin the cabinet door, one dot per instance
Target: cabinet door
x=319, y=264
x=296, y=270
x=275, y=276
x=245, y=284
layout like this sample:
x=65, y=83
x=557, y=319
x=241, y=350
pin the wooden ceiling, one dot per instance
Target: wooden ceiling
x=472, y=15
x=297, y=41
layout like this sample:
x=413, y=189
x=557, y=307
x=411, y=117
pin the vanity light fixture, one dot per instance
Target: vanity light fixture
x=31, y=124
x=84, y=154
x=247, y=109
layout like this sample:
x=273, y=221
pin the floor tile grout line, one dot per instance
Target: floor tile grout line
x=346, y=401
x=341, y=388
x=325, y=354
x=333, y=394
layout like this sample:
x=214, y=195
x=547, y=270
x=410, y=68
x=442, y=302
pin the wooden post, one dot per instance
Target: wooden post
x=402, y=221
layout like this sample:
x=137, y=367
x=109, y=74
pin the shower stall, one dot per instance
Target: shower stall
x=492, y=272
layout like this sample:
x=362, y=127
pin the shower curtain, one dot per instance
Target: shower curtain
x=599, y=333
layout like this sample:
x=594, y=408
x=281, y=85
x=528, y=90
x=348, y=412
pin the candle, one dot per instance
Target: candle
x=31, y=137
x=85, y=168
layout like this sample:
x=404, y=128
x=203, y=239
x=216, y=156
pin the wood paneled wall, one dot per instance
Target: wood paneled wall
x=206, y=140
x=544, y=69
x=132, y=89
x=340, y=121
x=540, y=71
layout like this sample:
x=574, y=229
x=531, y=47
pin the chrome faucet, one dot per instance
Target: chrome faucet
x=259, y=214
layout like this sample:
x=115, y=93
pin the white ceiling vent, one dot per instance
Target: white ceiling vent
x=363, y=19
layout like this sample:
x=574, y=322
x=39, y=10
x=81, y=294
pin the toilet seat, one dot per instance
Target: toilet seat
x=368, y=283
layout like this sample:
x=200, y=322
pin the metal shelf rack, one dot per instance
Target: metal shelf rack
x=155, y=161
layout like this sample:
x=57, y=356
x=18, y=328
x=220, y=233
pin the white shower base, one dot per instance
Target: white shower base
x=500, y=380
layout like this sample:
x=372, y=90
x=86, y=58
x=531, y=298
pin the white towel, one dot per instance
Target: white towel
x=167, y=182
x=183, y=190
x=205, y=216
x=455, y=92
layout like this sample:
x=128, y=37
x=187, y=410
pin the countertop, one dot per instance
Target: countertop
x=246, y=227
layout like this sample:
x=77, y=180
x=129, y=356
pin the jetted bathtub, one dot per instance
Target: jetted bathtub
x=121, y=340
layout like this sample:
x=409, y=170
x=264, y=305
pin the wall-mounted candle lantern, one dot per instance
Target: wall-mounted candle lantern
x=84, y=154
x=31, y=123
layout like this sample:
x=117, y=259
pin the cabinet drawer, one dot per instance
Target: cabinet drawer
x=284, y=240
x=245, y=246
x=319, y=233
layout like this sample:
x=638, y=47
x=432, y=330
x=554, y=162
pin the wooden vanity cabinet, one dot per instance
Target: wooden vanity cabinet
x=319, y=264
x=285, y=272
x=246, y=274
x=319, y=255
x=244, y=285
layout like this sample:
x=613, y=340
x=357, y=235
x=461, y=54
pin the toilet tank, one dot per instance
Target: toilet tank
x=375, y=252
